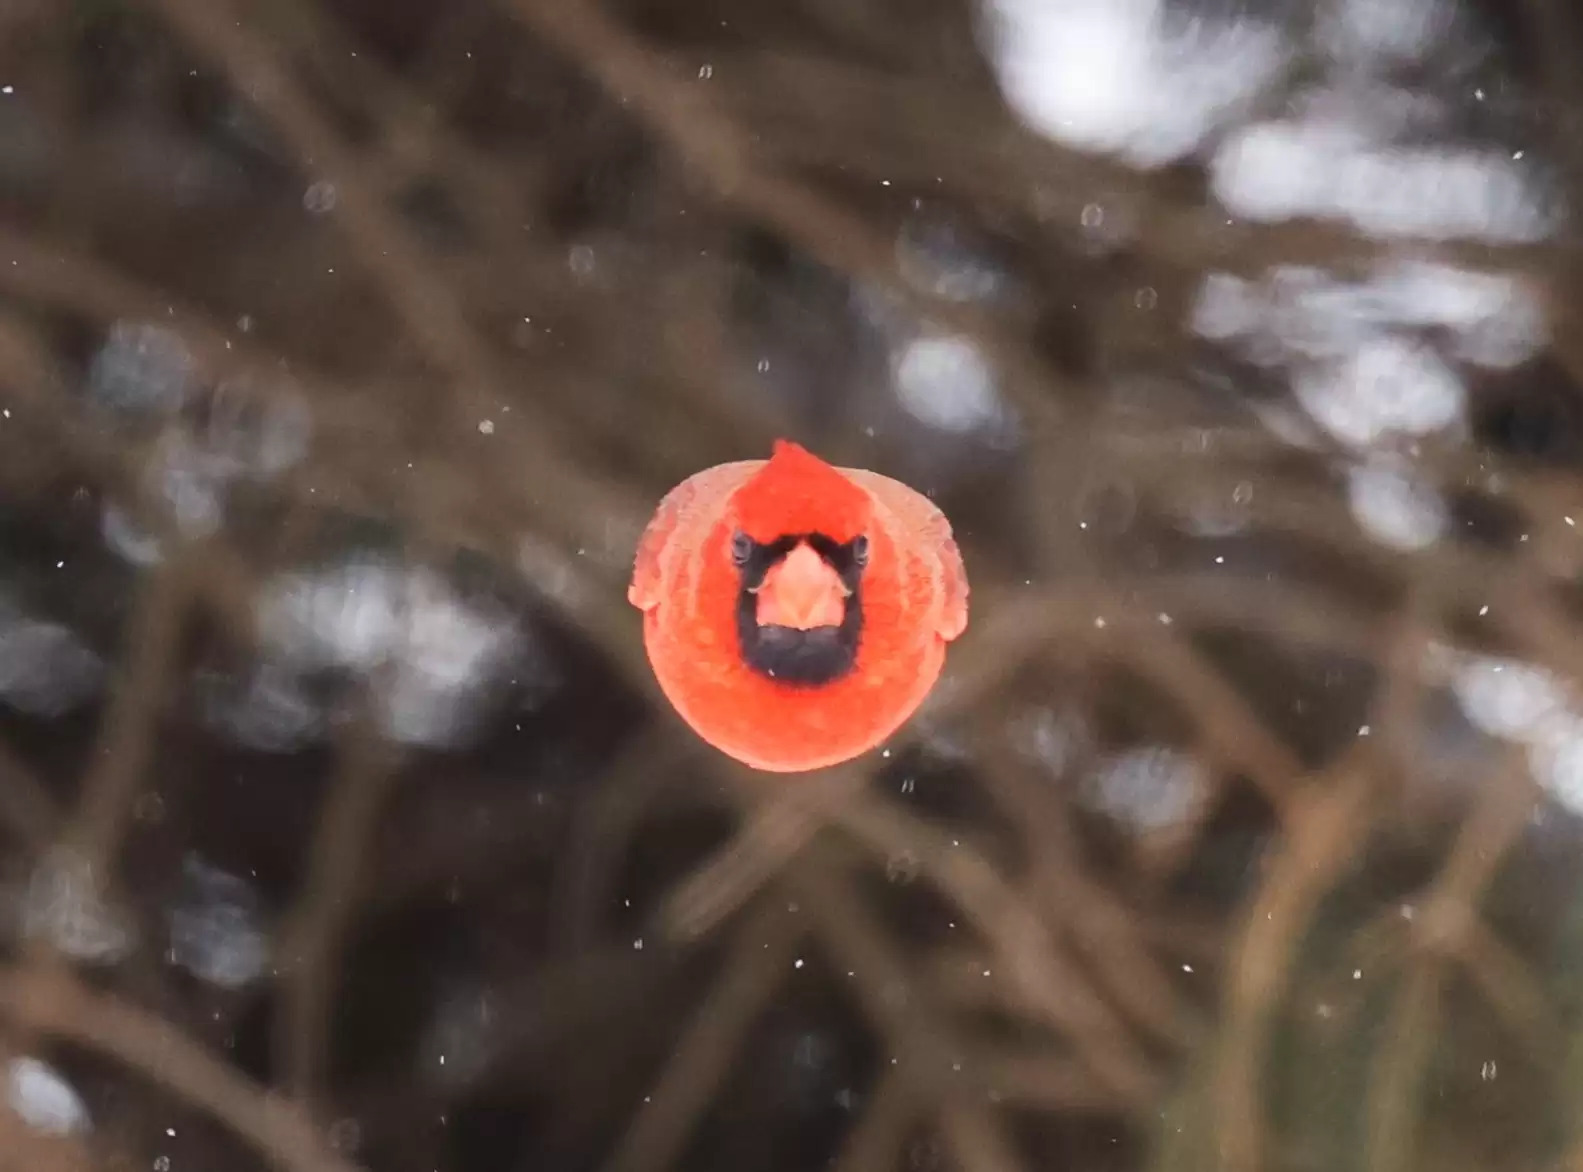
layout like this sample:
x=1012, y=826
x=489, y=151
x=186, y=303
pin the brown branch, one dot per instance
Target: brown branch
x=1512, y=989
x=26, y=807
x=1036, y=971
x=601, y=829
x=1323, y=833
x=1450, y=904
x=978, y=1143
x=55, y=1004
x=874, y=1143
x=773, y=833
x=1098, y=923
x=919, y=1036
x=331, y=890
x=129, y=733
x=759, y=962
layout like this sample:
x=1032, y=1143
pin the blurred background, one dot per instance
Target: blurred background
x=347, y=345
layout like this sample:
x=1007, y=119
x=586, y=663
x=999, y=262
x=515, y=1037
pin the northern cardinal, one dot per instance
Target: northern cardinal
x=796, y=614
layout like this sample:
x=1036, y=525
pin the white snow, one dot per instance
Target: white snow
x=946, y=383
x=255, y=429
x=1556, y=759
x=45, y=670
x=1145, y=789
x=271, y=711
x=1127, y=77
x=1328, y=169
x=63, y=906
x=41, y=1098
x=436, y=652
x=142, y=368
x=1363, y=31
x=1394, y=506
x=214, y=930
x=1507, y=697
x=1490, y=320
x=1388, y=385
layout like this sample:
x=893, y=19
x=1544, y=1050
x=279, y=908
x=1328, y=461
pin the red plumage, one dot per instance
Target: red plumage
x=727, y=566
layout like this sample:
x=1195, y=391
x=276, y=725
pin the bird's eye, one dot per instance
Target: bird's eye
x=860, y=550
x=741, y=548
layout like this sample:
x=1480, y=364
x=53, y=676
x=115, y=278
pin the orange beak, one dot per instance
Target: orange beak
x=803, y=592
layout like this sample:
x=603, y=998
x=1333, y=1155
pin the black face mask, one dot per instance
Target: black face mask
x=787, y=655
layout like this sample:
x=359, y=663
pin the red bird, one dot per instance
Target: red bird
x=796, y=614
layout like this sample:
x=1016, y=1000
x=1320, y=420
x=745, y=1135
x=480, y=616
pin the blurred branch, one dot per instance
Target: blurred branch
x=1100, y=926
x=602, y=829
x=53, y=1003
x=916, y=1031
x=1324, y=831
x=773, y=832
x=332, y=891
x=874, y=1143
x=1412, y=1031
x=759, y=960
x=1035, y=968
x=130, y=730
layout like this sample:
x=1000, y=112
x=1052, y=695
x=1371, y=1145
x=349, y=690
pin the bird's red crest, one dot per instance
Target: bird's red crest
x=797, y=492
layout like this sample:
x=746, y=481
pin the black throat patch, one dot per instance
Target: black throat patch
x=807, y=659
